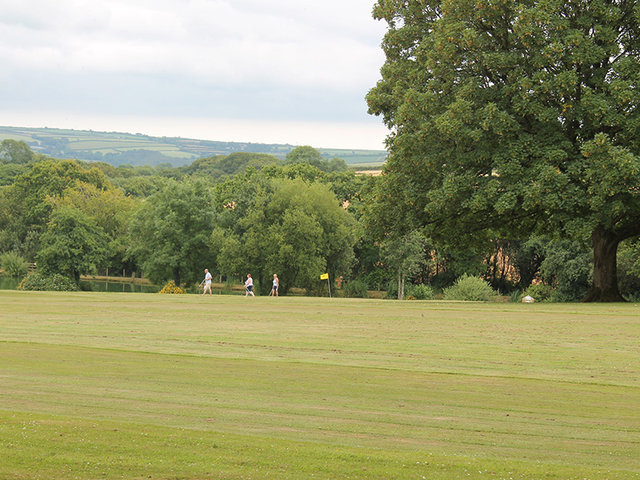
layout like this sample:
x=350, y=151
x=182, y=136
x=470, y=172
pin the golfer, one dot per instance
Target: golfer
x=248, y=286
x=207, y=282
x=276, y=284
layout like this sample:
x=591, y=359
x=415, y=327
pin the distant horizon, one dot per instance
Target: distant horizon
x=244, y=71
x=325, y=135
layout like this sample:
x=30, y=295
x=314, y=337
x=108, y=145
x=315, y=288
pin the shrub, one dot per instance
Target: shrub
x=356, y=289
x=541, y=292
x=568, y=267
x=172, y=288
x=516, y=296
x=469, y=288
x=41, y=282
x=419, y=292
x=13, y=264
x=392, y=289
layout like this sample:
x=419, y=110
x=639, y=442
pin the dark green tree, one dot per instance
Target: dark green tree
x=169, y=233
x=309, y=155
x=510, y=117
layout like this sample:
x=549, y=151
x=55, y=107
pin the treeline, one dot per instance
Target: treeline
x=254, y=213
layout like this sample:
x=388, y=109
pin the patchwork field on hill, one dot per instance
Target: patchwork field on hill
x=137, y=149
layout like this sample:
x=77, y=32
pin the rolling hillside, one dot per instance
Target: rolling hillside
x=137, y=149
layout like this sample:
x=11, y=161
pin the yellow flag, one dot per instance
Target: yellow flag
x=324, y=276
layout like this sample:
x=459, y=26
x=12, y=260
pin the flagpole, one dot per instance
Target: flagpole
x=325, y=276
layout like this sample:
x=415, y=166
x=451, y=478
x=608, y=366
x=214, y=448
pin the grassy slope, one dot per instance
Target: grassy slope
x=182, y=150
x=138, y=385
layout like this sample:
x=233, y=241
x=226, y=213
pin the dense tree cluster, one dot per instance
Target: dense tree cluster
x=250, y=213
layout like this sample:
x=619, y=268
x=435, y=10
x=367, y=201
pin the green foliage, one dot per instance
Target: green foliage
x=73, y=244
x=14, y=264
x=404, y=254
x=16, y=152
x=420, y=292
x=25, y=205
x=9, y=172
x=567, y=267
x=469, y=288
x=40, y=281
x=289, y=227
x=391, y=291
x=629, y=269
x=356, y=289
x=309, y=155
x=541, y=292
x=516, y=296
x=221, y=167
x=502, y=124
x=169, y=232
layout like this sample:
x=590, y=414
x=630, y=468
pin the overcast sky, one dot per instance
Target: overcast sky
x=278, y=71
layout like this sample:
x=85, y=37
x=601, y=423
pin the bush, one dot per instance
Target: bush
x=392, y=289
x=41, y=282
x=469, y=288
x=419, y=292
x=568, y=267
x=516, y=296
x=172, y=288
x=541, y=292
x=13, y=264
x=356, y=289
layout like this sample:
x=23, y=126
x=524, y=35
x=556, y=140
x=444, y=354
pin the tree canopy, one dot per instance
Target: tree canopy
x=169, y=232
x=514, y=116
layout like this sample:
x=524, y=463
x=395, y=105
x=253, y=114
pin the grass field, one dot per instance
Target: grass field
x=107, y=385
x=181, y=151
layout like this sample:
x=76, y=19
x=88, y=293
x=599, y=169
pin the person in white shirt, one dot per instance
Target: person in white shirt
x=207, y=283
x=248, y=286
x=276, y=284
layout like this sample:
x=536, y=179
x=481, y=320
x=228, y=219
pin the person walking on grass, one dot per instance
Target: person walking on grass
x=248, y=286
x=207, y=283
x=274, y=288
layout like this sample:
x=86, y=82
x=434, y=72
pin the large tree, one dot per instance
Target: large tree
x=73, y=244
x=514, y=115
x=288, y=227
x=25, y=205
x=169, y=233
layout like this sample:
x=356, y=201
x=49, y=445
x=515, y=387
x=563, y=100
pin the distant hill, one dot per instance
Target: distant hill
x=137, y=149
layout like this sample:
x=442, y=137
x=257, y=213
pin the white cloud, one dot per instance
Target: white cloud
x=305, y=62
x=326, y=44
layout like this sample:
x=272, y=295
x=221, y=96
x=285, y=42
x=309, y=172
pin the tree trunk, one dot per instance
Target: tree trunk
x=176, y=276
x=400, y=285
x=605, y=272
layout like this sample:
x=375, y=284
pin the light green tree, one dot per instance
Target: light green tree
x=24, y=205
x=405, y=254
x=288, y=227
x=511, y=117
x=108, y=207
x=73, y=244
